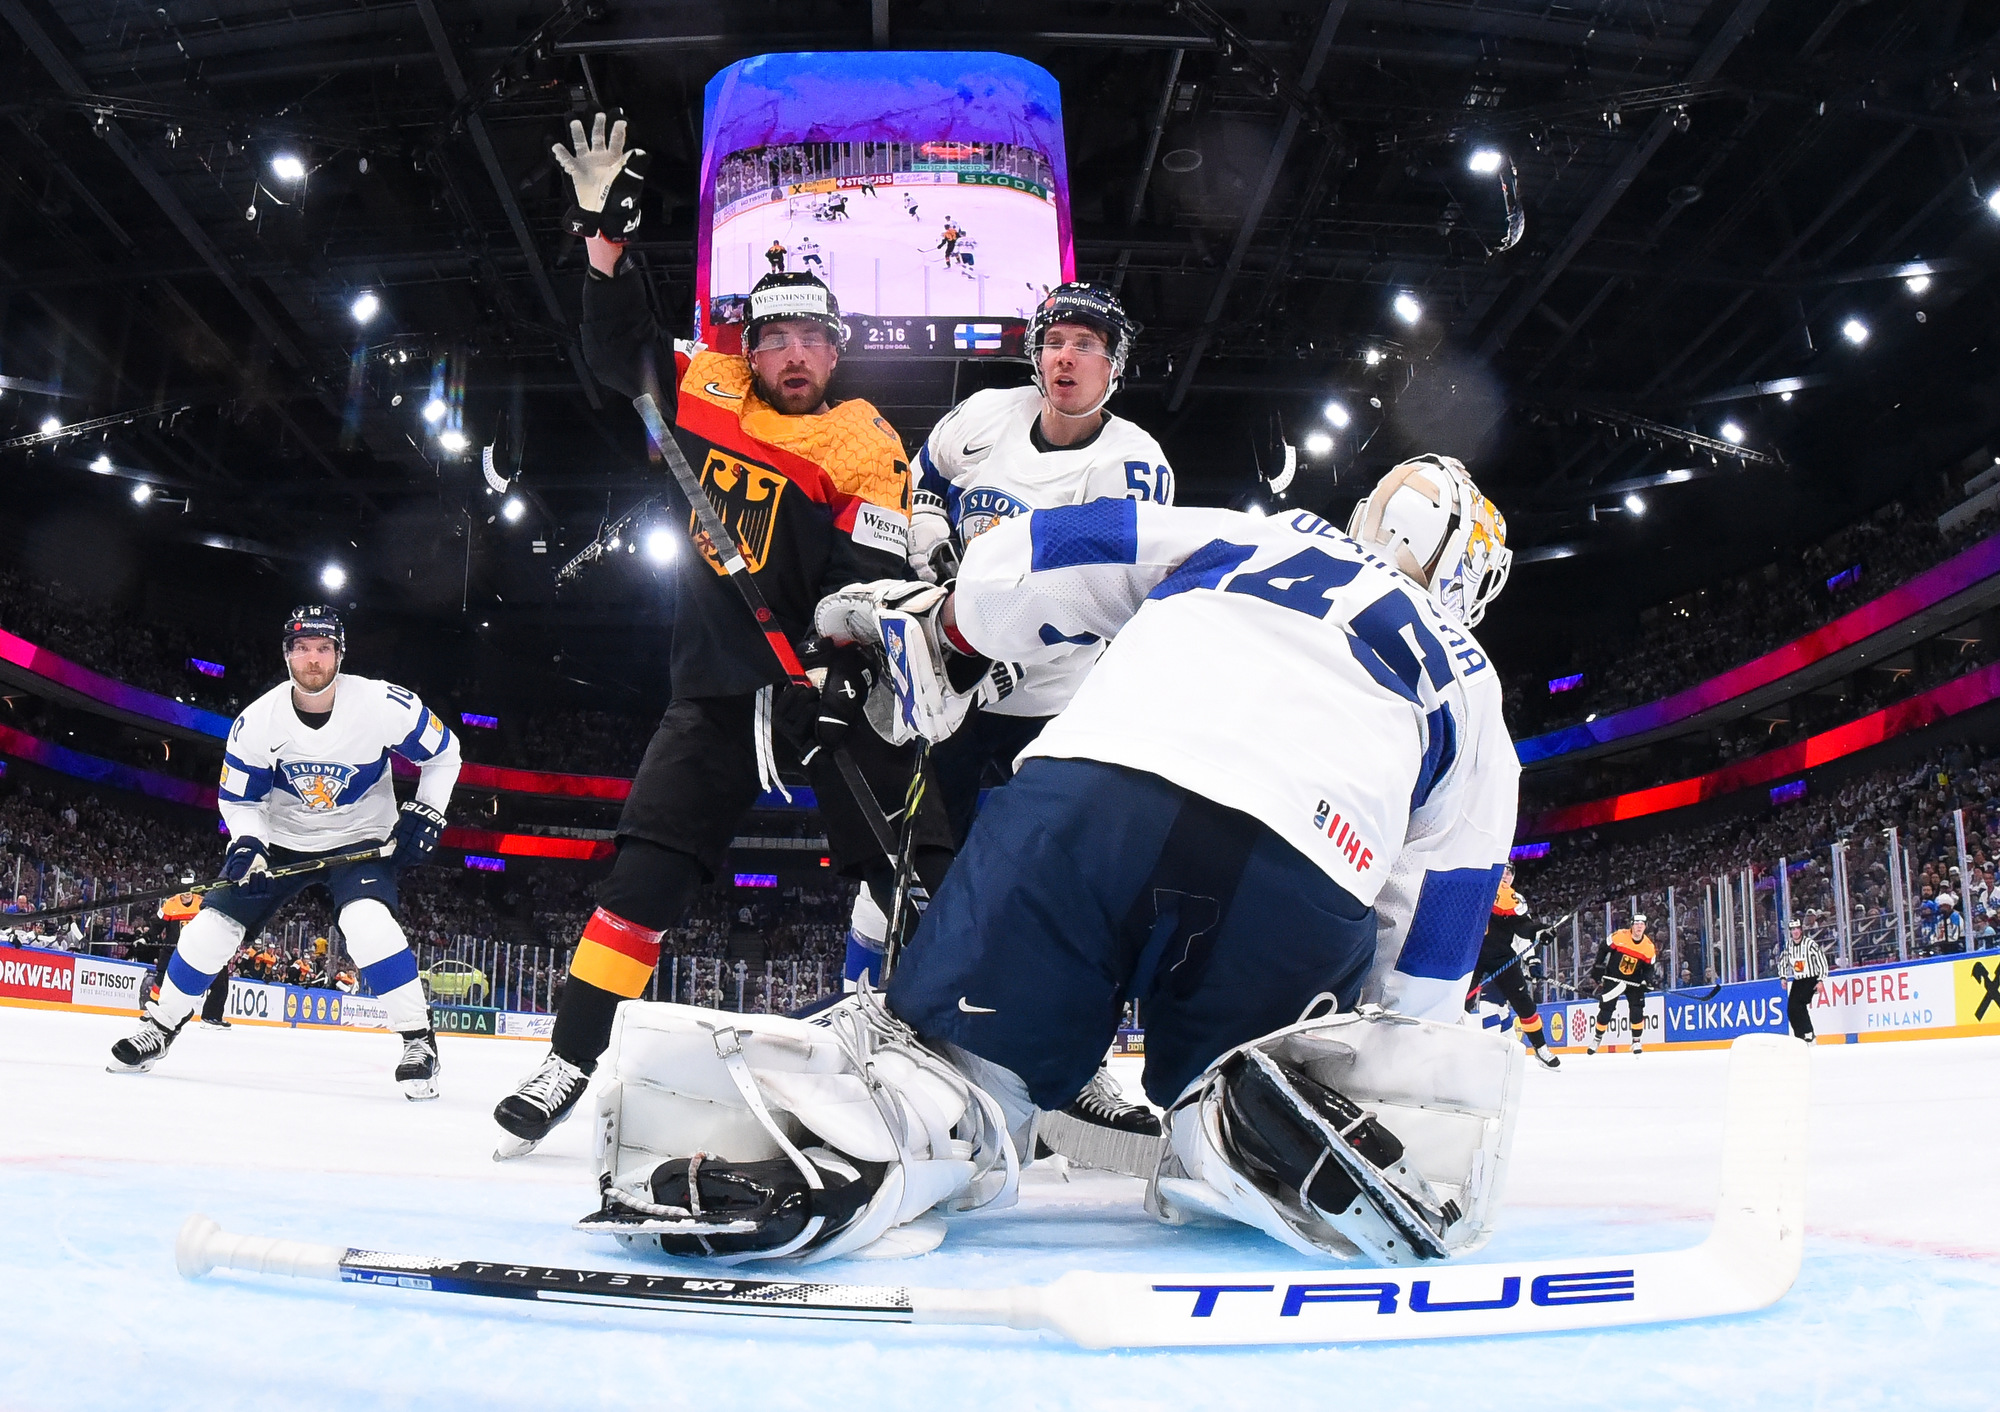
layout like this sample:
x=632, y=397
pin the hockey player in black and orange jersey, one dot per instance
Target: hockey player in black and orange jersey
x=818, y=494
x=1626, y=969
x=1503, y=958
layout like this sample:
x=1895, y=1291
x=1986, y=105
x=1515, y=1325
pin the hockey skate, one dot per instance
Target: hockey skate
x=1101, y=1129
x=1638, y=1047
x=1596, y=1039
x=1545, y=1056
x=145, y=1047
x=418, y=1069
x=209, y=1024
x=530, y=1111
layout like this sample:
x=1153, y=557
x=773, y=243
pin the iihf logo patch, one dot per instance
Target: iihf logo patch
x=318, y=783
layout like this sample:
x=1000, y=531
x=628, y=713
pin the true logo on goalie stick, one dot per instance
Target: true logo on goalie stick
x=1385, y=1296
x=746, y=497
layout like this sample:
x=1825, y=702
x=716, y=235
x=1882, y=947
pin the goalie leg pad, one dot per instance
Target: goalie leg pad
x=1362, y=1135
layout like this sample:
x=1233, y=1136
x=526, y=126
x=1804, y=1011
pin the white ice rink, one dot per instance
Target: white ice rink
x=302, y=1134
x=883, y=261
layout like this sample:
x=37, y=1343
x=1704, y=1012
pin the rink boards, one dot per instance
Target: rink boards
x=1940, y=997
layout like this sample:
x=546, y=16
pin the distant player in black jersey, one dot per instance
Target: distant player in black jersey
x=1626, y=969
x=1503, y=961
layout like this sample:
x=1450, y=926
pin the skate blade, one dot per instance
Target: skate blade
x=511, y=1147
x=418, y=1090
x=114, y=1067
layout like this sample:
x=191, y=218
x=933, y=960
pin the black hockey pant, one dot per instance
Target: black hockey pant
x=1798, y=1006
x=1635, y=1007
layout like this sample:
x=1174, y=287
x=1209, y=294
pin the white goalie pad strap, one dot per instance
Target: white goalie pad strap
x=680, y=1080
x=1448, y=1093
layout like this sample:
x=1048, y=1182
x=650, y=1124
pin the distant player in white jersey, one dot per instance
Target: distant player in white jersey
x=305, y=776
x=1287, y=777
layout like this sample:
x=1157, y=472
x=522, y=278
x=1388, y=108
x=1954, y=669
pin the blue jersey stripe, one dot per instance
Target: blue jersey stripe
x=1096, y=532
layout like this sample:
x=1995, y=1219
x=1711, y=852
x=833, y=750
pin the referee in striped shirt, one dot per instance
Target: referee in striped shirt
x=1803, y=966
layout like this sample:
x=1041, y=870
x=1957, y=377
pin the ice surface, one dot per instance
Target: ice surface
x=302, y=1134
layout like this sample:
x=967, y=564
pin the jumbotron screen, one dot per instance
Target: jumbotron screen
x=930, y=191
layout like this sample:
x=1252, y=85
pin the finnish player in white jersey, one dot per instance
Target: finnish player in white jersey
x=305, y=777
x=1275, y=814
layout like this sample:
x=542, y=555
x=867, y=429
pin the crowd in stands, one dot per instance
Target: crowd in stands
x=1692, y=638
x=569, y=742
x=1944, y=910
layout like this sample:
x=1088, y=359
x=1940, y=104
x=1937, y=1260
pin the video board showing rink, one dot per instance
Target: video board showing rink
x=919, y=242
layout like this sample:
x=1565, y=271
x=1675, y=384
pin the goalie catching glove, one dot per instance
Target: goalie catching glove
x=760, y=1137
x=1364, y=1135
x=933, y=674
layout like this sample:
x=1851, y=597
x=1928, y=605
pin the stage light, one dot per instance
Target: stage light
x=1917, y=284
x=1855, y=332
x=1485, y=161
x=1993, y=201
x=1634, y=504
x=286, y=167
x=1784, y=397
x=365, y=306
x=453, y=441
x=660, y=545
x=1732, y=433
x=1318, y=443
x=1338, y=414
x=141, y=493
x=333, y=578
x=434, y=411
x=513, y=509
x=51, y=425
x=1372, y=357
x=102, y=465
x=1407, y=308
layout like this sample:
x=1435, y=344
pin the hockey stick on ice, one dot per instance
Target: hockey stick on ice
x=730, y=553
x=1748, y=1261
x=136, y=899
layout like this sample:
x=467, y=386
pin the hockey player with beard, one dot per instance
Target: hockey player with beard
x=1004, y=452
x=1316, y=817
x=817, y=492
x=305, y=775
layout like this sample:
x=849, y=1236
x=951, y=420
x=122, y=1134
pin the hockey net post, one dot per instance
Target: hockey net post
x=1748, y=1262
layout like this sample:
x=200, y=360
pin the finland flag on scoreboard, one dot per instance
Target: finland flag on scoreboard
x=976, y=338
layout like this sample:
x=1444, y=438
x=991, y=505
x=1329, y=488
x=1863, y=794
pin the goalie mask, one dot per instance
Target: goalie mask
x=1430, y=520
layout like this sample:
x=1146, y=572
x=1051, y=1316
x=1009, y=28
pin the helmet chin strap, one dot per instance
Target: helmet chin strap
x=1110, y=389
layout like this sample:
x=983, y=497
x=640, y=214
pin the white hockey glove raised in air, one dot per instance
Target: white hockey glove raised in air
x=930, y=536
x=594, y=169
x=933, y=680
x=1367, y=1134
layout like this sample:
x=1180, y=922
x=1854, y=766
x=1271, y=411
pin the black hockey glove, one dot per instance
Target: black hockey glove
x=418, y=829
x=246, y=867
x=843, y=696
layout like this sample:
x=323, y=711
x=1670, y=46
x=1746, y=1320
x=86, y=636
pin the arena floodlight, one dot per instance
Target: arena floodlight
x=1993, y=201
x=434, y=410
x=453, y=440
x=1485, y=161
x=286, y=166
x=1855, y=332
x=102, y=465
x=1407, y=308
x=1784, y=397
x=1337, y=413
x=333, y=578
x=513, y=509
x=661, y=545
x=1372, y=357
x=1634, y=504
x=365, y=306
x=1917, y=284
x=1732, y=433
x=1317, y=443
x=51, y=425
x=141, y=493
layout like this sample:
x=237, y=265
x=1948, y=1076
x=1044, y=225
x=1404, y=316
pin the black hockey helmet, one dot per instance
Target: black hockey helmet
x=1093, y=306
x=315, y=620
x=792, y=294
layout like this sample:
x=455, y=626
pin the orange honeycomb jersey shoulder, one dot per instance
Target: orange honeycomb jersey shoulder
x=1621, y=940
x=847, y=454
x=1506, y=902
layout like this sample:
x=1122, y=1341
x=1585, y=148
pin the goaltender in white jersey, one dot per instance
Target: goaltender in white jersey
x=306, y=783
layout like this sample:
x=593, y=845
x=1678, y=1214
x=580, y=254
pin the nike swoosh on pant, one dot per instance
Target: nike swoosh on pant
x=969, y=1008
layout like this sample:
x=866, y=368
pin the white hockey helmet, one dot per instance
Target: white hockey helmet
x=1432, y=522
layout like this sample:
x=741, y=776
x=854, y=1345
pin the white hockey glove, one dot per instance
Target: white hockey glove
x=933, y=681
x=930, y=534
x=594, y=167
x=1523, y=944
x=1365, y=1135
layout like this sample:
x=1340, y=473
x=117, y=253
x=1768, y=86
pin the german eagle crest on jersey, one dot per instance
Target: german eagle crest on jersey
x=318, y=783
x=746, y=496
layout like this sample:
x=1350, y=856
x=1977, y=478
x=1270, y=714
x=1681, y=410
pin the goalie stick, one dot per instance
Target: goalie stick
x=1748, y=1262
x=136, y=899
x=730, y=554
